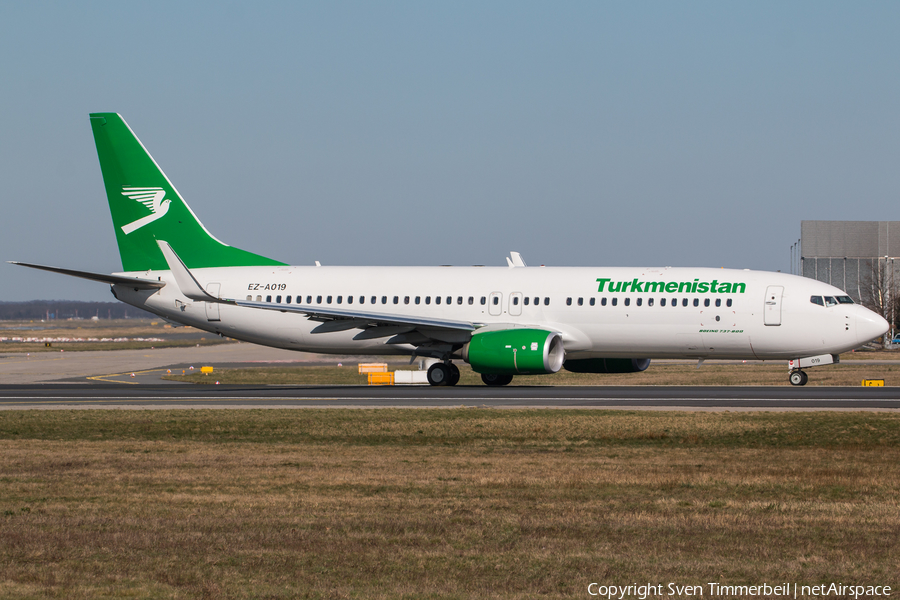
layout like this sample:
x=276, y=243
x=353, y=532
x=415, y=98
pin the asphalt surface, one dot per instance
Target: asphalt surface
x=105, y=394
x=133, y=379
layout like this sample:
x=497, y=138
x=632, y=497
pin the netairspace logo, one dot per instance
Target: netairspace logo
x=785, y=590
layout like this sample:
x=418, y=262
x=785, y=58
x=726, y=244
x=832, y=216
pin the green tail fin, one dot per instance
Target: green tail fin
x=146, y=207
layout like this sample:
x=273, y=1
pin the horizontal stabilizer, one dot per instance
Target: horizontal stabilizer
x=135, y=282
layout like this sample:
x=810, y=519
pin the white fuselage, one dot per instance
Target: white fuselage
x=760, y=315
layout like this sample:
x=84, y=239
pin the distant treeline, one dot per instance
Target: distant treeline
x=68, y=309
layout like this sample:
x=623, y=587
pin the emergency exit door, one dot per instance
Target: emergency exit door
x=772, y=309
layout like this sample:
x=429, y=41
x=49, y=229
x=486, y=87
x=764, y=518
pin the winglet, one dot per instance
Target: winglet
x=187, y=284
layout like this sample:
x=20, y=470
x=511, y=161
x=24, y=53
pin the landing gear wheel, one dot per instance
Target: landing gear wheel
x=454, y=374
x=799, y=378
x=438, y=374
x=493, y=379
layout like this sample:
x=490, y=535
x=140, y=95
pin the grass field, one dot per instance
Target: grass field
x=659, y=373
x=444, y=503
x=104, y=334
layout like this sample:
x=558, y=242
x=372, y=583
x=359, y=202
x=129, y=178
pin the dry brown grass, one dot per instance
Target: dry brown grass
x=440, y=504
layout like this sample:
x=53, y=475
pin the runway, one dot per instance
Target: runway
x=115, y=395
x=104, y=380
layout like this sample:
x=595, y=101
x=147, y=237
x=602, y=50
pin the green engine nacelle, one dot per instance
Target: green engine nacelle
x=515, y=352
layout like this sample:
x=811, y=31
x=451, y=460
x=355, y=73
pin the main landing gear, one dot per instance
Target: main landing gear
x=493, y=379
x=443, y=374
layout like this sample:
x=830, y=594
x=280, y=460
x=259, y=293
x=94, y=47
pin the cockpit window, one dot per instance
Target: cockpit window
x=845, y=299
x=830, y=301
x=817, y=300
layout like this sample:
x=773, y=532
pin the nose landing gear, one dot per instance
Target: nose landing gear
x=798, y=377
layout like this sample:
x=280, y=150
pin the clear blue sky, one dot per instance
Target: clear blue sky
x=419, y=133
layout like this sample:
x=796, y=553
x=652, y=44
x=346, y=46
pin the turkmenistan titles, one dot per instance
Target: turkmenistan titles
x=682, y=287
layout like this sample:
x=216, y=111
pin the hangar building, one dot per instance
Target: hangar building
x=846, y=253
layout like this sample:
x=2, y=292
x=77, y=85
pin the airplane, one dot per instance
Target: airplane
x=502, y=321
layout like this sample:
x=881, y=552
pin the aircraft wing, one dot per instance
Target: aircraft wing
x=136, y=282
x=402, y=329
x=359, y=318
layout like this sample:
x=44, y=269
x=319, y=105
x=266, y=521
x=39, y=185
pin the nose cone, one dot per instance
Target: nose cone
x=870, y=326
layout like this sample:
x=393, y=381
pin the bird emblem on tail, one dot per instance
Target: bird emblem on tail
x=151, y=197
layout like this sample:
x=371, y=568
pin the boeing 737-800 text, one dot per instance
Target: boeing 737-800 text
x=503, y=321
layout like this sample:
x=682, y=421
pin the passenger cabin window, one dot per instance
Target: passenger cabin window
x=309, y=299
x=268, y=298
x=471, y=300
x=640, y=301
x=515, y=300
x=568, y=302
x=593, y=301
x=581, y=302
x=706, y=302
x=349, y=299
x=396, y=299
x=328, y=300
x=526, y=300
x=384, y=299
x=459, y=300
x=696, y=301
x=627, y=301
x=537, y=301
x=249, y=298
x=615, y=301
x=546, y=301
x=718, y=302
x=449, y=299
x=684, y=302
x=362, y=299
x=259, y=298
x=602, y=301
x=418, y=299
x=817, y=300
x=728, y=303
x=495, y=300
x=427, y=299
x=650, y=302
x=662, y=301
x=340, y=299
x=437, y=299
x=277, y=299
x=288, y=299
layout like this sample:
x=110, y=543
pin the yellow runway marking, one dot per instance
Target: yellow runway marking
x=126, y=374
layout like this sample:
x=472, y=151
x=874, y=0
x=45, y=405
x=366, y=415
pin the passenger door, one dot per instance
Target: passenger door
x=772, y=309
